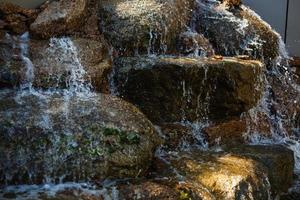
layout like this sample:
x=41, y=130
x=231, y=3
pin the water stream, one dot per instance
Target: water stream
x=77, y=85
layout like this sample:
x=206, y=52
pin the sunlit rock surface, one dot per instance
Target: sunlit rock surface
x=59, y=137
x=60, y=18
x=149, y=26
x=250, y=173
x=277, y=159
x=195, y=88
x=236, y=31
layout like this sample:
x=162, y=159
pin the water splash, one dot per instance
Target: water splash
x=24, y=54
x=74, y=190
x=76, y=82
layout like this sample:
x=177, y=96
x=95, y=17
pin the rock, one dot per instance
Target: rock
x=12, y=67
x=232, y=3
x=71, y=138
x=225, y=176
x=176, y=135
x=15, y=18
x=236, y=31
x=60, y=18
x=229, y=132
x=278, y=160
x=239, y=174
x=147, y=190
x=295, y=65
x=196, y=88
x=148, y=26
x=162, y=190
x=190, y=43
x=55, y=62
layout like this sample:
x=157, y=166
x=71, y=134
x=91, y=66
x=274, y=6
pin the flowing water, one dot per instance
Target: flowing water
x=78, y=86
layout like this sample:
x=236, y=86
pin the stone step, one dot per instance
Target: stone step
x=172, y=89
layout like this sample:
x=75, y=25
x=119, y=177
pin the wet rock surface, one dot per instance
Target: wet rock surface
x=54, y=127
x=60, y=18
x=248, y=172
x=236, y=32
x=73, y=139
x=229, y=132
x=55, y=72
x=277, y=159
x=55, y=62
x=193, y=44
x=139, y=27
x=197, y=88
x=16, y=19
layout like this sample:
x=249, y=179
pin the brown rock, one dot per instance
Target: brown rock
x=77, y=138
x=196, y=88
x=148, y=190
x=60, y=18
x=236, y=31
x=232, y=3
x=53, y=61
x=247, y=172
x=175, y=134
x=148, y=26
x=91, y=55
x=229, y=132
x=190, y=43
x=15, y=18
x=278, y=160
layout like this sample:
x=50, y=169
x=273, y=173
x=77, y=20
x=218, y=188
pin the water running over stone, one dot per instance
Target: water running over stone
x=68, y=132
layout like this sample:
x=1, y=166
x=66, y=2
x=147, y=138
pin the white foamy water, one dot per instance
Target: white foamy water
x=75, y=190
x=66, y=54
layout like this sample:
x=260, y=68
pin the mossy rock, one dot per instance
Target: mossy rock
x=71, y=137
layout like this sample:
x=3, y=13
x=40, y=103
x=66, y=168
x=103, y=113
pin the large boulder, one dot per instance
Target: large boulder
x=196, y=88
x=149, y=26
x=54, y=137
x=60, y=18
x=259, y=172
x=54, y=62
x=278, y=160
x=236, y=31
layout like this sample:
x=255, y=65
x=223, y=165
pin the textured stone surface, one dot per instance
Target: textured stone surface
x=60, y=18
x=149, y=26
x=172, y=89
x=229, y=132
x=246, y=172
x=16, y=19
x=54, y=62
x=74, y=138
x=236, y=31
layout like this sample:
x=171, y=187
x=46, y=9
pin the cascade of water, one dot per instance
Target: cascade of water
x=76, y=83
x=29, y=74
x=278, y=132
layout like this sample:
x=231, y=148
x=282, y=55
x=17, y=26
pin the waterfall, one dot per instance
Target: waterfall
x=69, y=56
x=24, y=54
